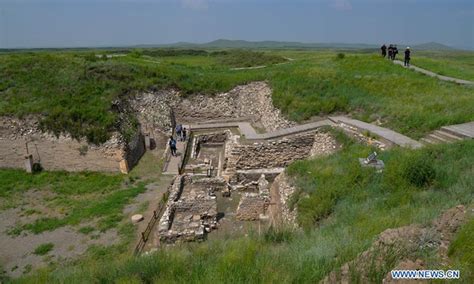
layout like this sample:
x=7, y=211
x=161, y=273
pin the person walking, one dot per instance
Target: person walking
x=172, y=144
x=390, y=51
x=183, y=134
x=394, y=52
x=384, y=50
x=179, y=129
x=407, y=56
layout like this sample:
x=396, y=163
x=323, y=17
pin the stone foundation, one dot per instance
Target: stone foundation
x=191, y=210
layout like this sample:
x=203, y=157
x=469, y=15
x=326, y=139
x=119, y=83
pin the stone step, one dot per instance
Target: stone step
x=427, y=141
x=447, y=135
x=440, y=139
x=456, y=131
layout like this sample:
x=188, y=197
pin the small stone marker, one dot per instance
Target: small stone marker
x=137, y=218
x=147, y=141
x=372, y=161
x=29, y=163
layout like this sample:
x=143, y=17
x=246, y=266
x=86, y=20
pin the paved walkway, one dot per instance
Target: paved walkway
x=465, y=130
x=432, y=74
x=173, y=163
x=384, y=133
x=249, y=132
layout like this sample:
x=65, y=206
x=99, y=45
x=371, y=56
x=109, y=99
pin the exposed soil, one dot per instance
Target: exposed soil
x=402, y=243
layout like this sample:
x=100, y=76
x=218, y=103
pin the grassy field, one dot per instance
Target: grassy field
x=73, y=91
x=454, y=64
x=93, y=207
x=71, y=198
x=342, y=208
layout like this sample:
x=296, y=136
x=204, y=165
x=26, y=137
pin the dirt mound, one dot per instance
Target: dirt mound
x=401, y=243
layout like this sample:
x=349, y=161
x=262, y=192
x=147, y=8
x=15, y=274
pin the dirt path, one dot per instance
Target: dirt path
x=432, y=74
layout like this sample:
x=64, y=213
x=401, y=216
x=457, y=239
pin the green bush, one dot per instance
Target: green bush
x=341, y=56
x=43, y=248
x=418, y=170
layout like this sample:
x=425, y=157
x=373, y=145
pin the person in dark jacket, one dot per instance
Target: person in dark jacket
x=384, y=50
x=390, y=51
x=407, y=56
x=172, y=144
x=394, y=52
x=183, y=132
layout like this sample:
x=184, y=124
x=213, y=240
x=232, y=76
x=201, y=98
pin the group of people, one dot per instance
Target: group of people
x=181, y=134
x=392, y=51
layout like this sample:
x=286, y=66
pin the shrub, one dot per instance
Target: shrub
x=43, y=249
x=418, y=170
x=341, y=56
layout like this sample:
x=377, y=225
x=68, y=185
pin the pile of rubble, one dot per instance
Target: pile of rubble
x=252, y=101
x=154, y=110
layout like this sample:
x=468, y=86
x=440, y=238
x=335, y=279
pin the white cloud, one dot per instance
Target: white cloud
x=343, y=5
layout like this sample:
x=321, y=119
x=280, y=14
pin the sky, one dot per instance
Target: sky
x=92, y=23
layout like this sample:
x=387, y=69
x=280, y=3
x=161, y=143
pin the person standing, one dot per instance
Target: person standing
x=384, y=50
x=390, y=51
x=183, y=137
x=407, y=56
x=172, y=144
x=179, y=129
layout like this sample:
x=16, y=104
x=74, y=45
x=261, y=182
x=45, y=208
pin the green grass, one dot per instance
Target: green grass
x=458, y=64
x=461, y=251
x=76, y=197
x=355, y=205
x=73, y=91
x=43, y=249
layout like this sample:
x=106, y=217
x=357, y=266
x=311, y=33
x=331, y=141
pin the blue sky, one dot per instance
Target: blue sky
x=74, y=23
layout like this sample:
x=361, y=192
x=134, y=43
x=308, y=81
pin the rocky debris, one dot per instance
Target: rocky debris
x=323, y=144
x=403, y=242
x=154, y=110
x=252, y=101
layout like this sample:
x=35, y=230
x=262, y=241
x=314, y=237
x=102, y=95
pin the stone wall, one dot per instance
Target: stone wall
x=251, y=206
x=63, y=152
x=272, y=154
x=135, y=149
x=280, y=212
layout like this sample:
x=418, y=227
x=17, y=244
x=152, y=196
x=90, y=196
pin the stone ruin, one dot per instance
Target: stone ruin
x=227, y=181
x=191, y=210
x=253, y=205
